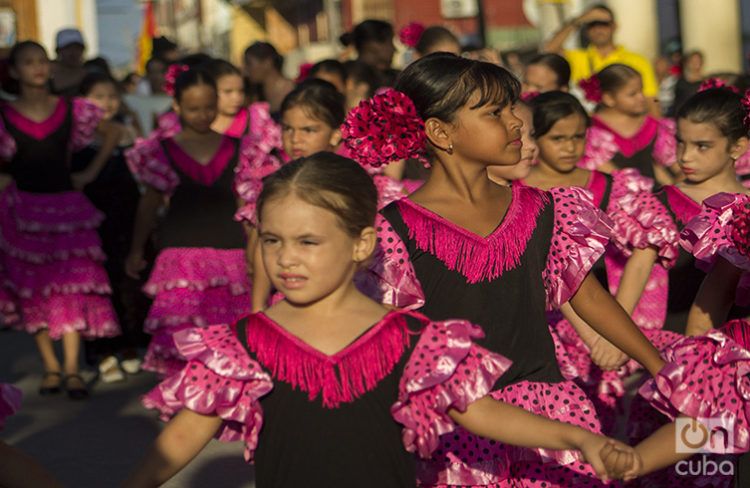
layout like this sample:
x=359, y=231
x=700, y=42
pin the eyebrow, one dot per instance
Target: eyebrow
x=302, y=236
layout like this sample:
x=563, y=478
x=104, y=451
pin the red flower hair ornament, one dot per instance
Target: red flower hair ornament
x=740, y=234
x=304, y=72
x=710, y=83
x=746, y=106
x=170, y=78
x=411, y=34
x=383, y=129
x=592, y=88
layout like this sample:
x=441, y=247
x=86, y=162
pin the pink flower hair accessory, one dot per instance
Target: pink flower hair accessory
x=411, y=34
x=592, y=88
x=746, y=106
x=740, y=234
x=170, y=78
x=304, y=72
x=383, y=129
x=710, y=83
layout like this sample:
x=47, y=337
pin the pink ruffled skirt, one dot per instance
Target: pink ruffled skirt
x=464, y=459
x=192, y=287
x=50, y=257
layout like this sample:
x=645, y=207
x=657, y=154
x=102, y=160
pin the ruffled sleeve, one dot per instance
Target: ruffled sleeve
x=718, y=231
x=390, y=278
x=389, y=190
x=263, y=130
x=580, y=236
x=86, y=118
x=219, y=379
x=446, y=370
x=149, y=165
x=255, y=164
x=640, y=219
x=665, y=145
x=10, y=402
x=705, y=378
x=7, y=143
x=600, y=148
x=168, y=125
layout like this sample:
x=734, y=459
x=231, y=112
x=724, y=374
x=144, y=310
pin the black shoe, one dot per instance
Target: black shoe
x=76, y=393
x=50, y=390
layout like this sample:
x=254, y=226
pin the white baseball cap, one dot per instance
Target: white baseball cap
x=66, y=37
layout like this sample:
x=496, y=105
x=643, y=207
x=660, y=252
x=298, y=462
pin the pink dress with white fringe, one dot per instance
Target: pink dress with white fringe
x=200, y=275
x=50, y=253
x=639, y=222
x=654, y=143
x=533, y=261
x=297, y=409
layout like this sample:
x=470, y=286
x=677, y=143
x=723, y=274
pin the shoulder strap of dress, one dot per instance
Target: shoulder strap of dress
x=607, y=191
x=240, y=330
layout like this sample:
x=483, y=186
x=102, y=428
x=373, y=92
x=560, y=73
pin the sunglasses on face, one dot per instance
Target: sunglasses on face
x=599, y=23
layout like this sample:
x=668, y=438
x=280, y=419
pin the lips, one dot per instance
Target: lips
x=292, y=281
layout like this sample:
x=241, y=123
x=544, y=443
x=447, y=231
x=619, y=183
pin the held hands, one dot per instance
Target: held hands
x=611, y=459
x=605, y=355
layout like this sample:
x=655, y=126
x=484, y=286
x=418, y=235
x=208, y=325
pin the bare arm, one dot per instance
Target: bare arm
x=602, y=312
x=659, y=450
x=603, y=353
x=555, y=45
x=395, y=170
x=110, y=133
x=714, y=299
x=635, y=277
x=513, y=425
x=19, y=470
x=145, y=221
x=183, y=438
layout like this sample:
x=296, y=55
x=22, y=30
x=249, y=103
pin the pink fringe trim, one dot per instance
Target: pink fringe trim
x=473, y=256
x=340, y=378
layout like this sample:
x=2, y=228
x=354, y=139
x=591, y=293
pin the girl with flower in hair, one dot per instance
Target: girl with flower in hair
x=623, y=134
x=199, y=277
x=644, y=243
x=328, y=388
x=311, y=118
x=50, y=254
x=464, y=246
x=429, y=40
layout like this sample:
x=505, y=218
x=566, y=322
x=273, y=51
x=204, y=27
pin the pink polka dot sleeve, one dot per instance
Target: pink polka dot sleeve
x=255, y=163
x=600, y=148
x=219, y=379
x=446, y=371
x=721, y=229
x=640, y=220
x=580, y=235
x=705, y=377
x=86, y=118
x=149, y=165
x=665, y=145
x=390, y=278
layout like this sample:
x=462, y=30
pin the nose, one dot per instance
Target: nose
x=286, y=256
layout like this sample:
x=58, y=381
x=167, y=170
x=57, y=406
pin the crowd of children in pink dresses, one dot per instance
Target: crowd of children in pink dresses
x=477, y=327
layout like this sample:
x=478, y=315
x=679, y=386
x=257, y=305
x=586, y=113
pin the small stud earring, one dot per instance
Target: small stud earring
x=450, y=148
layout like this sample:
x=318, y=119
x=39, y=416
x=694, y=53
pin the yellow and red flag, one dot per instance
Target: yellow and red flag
x=146, y=39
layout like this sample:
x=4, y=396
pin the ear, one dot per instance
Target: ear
x=364, y=245
x=438, y=133
x=608, y=100
x=176, y=107
x=739, y=148
x=335, y=139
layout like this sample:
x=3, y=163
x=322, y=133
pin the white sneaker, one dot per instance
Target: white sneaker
x=131, y=366
x=109, y=370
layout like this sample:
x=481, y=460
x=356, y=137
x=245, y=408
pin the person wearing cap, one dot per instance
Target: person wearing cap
x=67, y=69
x=598, y=24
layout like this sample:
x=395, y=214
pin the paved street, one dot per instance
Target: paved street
x=95, y=443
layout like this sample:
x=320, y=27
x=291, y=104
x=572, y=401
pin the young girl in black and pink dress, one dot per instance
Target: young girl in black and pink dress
x=199, y=277
x=496, y=255
x=644, y=242
x=50, y=254
x=623, y=134
x=311, y=117
x=327, y=387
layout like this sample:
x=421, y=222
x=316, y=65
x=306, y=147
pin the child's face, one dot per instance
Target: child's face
x=306, y=252
x=562, y=147
x=197, y=107
x=332, y=78
x=231, y=94
x=540, y=78
x=629, y=99
x=32, y=67
x=106, y=97
x=304, y=135
x=703, y=151
x=490, y=134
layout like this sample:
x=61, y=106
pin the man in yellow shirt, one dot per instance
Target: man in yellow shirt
x=599, y=26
